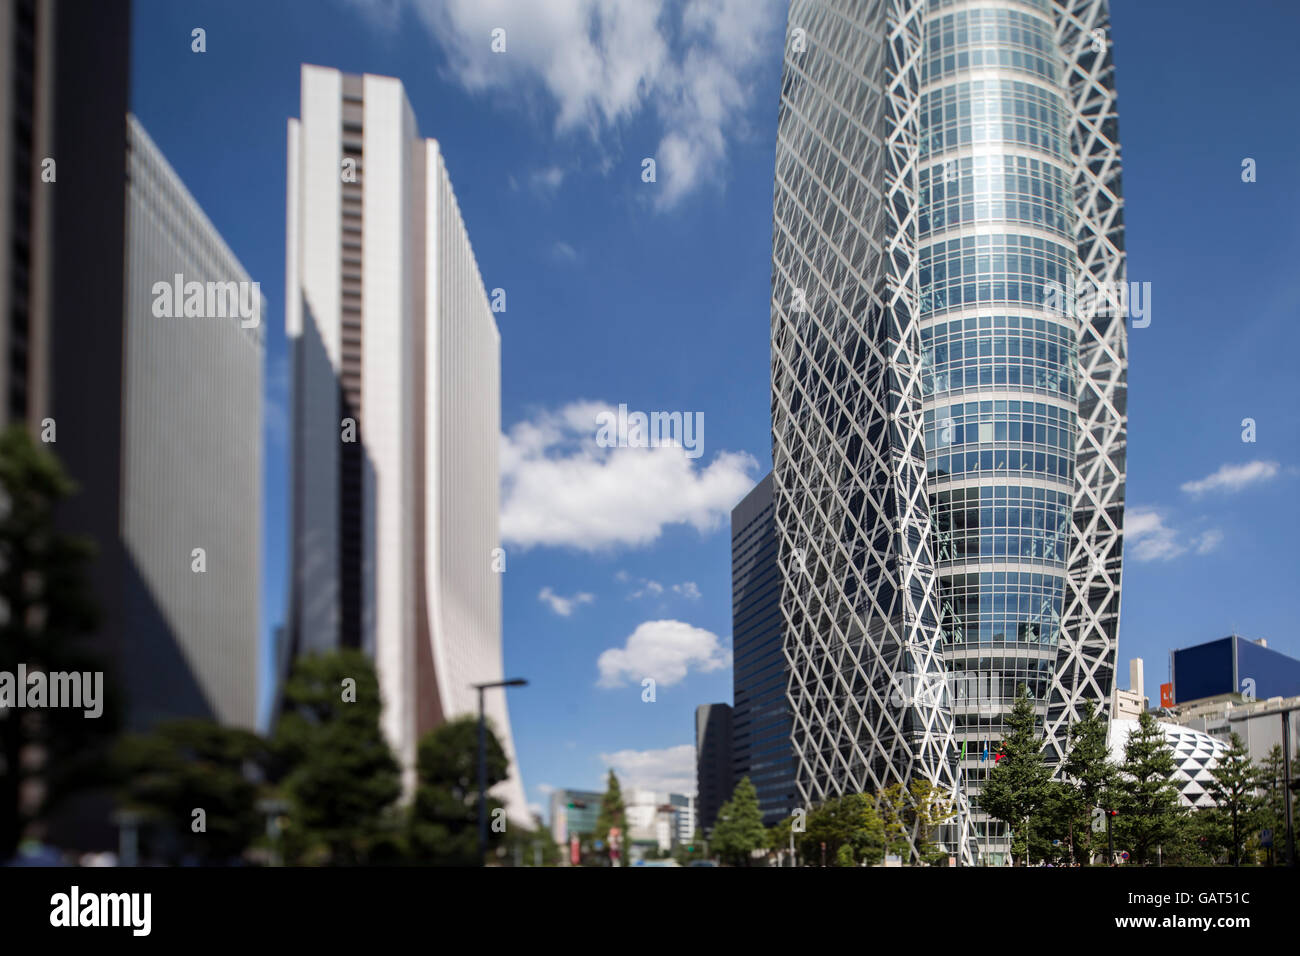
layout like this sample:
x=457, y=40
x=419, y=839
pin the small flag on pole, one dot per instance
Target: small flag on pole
x=985, y=755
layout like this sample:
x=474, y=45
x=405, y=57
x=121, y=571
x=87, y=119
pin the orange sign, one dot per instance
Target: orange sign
x=1166, y=695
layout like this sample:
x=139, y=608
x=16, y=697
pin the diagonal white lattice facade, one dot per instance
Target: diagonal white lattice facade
x=867, y=682
x=948, y=443
x=1085, y=669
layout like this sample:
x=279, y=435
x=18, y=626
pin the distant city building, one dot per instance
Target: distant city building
x=396, y=415
x=760, y=710
x=713, y=762
x=1258, y=723
x=1195, y=755
x=659, y=820
x=1232, y=665
x=573, y=811
x=1129, y=704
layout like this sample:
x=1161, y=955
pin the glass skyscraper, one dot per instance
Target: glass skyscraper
x=948, y=414
x=760, y=714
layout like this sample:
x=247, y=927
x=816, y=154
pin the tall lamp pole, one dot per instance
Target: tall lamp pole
x=482, y=760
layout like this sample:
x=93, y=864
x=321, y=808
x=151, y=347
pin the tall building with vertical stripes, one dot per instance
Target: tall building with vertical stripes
x=948, y=418
x=396, y=414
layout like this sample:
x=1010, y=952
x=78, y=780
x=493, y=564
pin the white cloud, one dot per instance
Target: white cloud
x=1232, y=478
x=1150, y=539
x=560, y=488
x=545, y=789
x=1208, y=541
x=671, y=769
x=602, y=64
x=647, y=589
x=687, y=589
x=561, y=605
x=663, y=650
x=547, y=180
x=564, y=252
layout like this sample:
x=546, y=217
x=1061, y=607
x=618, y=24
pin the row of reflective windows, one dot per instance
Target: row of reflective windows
x=973, y=609
x=987, y=373
x=1000, y=463
x=951, y=433
x=993, y=32
x=993, y=411
x=945, y=436
x=985, y=188
x=934, y=5
x=938, y=67
x=954, y=327
x=991, y=111
x=971, y=523
x=997, y=269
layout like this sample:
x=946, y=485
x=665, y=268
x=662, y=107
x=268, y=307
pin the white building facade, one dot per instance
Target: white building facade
x=191, y=457
x=396, y=415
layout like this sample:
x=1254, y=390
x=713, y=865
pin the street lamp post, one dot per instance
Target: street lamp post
x=482, y=760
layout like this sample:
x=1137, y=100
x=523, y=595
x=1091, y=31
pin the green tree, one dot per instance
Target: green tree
x=1089, y=767
x=739, y=830
x=1053, y=827
x=444, y=813
x=1200, y=838
x=1235, y=781
x=1147, y=800
x=914, y=813
x=190, y=764
x=850, y=820
x=844, y=856
x=612, y=815
x=333, y=762
x=49, y=611
x=1017, y=786
x=1272, y=816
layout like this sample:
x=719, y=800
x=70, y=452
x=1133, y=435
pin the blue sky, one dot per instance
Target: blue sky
x=656, y=295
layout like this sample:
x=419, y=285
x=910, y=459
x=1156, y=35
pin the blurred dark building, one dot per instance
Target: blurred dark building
x=157, y=419
x=155, y=415
x=66, y=70
x=1232, y=665
x=713, y=780
x=760, y=717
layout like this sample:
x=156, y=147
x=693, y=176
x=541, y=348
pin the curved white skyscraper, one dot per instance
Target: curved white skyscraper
x=948, y=418
x=396, y=415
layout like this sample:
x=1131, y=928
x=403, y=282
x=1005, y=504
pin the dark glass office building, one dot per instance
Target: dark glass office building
x=760, y=717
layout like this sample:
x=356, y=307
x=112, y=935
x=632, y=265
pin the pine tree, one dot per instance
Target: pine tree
x=1272, y=776
x=739, y=829
x=612, y=815
x=1089, y=767
x=1235, y=781
x=1016, y=788
x=1148, y=803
